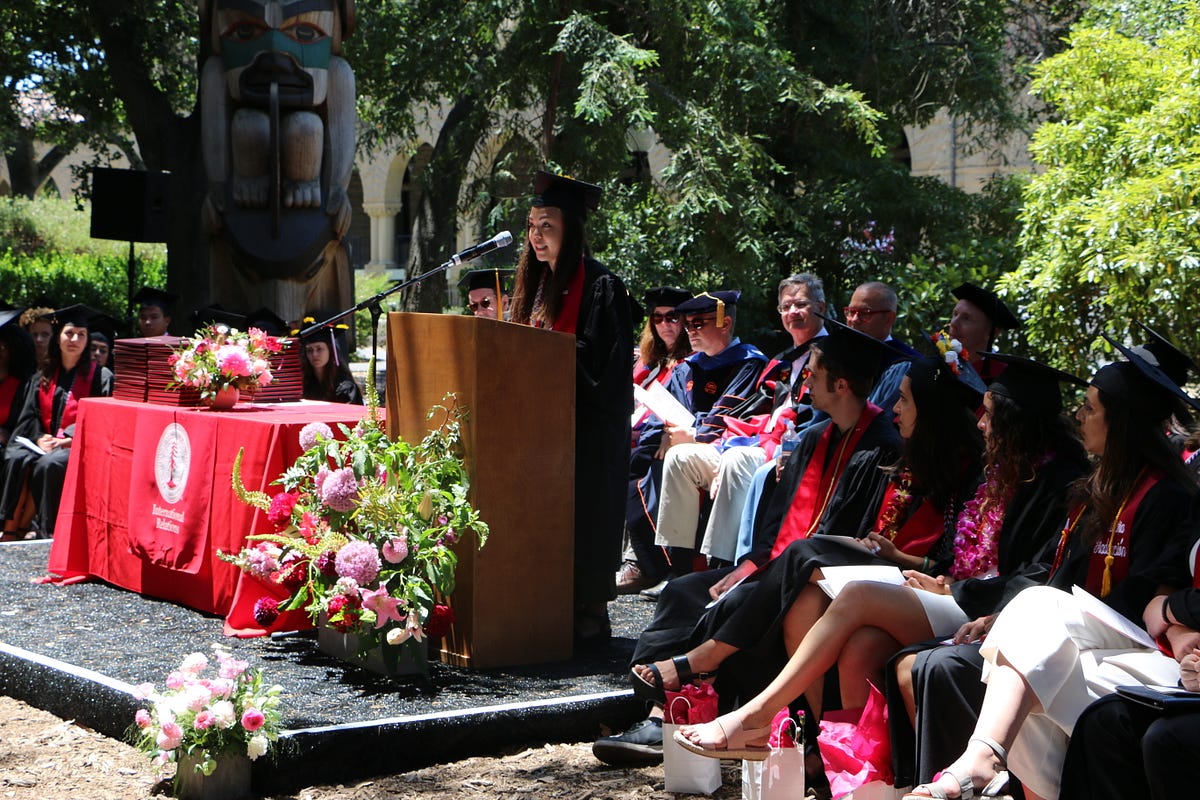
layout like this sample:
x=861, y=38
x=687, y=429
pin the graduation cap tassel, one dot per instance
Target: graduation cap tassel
x=499, y=296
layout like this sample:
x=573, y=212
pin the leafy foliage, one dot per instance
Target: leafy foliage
x=1110, y=227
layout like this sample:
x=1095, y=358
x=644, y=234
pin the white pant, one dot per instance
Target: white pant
x=691, y=468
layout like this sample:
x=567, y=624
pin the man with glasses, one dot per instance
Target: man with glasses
x=487, y=290
x=872, y=310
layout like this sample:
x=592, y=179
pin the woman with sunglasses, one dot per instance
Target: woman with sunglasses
x=663, y=344
x=560, y=287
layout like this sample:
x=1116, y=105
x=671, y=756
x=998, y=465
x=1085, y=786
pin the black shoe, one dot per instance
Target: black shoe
x=639, y=746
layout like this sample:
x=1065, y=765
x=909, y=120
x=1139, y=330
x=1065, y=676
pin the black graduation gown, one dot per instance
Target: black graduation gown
x=946, y=679
x=44, y=472
x=853, y=506
x=603, y=405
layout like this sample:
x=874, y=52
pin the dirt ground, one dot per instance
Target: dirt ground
x=43, y=757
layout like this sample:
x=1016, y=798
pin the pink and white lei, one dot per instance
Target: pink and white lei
x=976, y=543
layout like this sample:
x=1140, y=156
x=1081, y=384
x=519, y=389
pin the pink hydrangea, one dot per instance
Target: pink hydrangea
x=252, y=719
x=358, y=561
x=313, y=431
x=262, y=559
x=232, y=360
x=339, y=491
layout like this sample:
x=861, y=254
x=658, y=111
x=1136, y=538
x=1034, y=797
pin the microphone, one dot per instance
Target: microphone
x=501, y=239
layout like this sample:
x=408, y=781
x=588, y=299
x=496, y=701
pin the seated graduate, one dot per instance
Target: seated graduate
x=943, y=680
x=936, y=474
x=324, y=368
x=36, y=322
x=1121, y=749
x=719, y=375
x=978, y=318
x=154, y=311
x=832, y=482
x=868, y=621
x=47, y=419
x=1125, y=543
x=488, y=292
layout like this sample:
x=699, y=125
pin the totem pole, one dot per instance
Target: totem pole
x=277, y=106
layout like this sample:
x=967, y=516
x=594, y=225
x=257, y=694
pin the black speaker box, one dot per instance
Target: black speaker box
x=129, y=205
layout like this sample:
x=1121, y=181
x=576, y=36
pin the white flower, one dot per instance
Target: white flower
x=951, y=357
x=257, y=746
x=194, y=664
x=225, y=713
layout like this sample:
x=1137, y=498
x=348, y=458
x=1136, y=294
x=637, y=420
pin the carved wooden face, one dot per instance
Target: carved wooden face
x=287, y=43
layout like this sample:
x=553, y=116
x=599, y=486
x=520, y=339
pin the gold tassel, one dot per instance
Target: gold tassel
x=720, y=312
x=1106, y=581
x=499, y=297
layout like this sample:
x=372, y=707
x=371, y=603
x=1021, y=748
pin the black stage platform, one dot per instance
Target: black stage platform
x=76, y=651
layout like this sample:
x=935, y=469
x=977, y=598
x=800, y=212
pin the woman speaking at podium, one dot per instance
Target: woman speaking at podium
x=560, y=287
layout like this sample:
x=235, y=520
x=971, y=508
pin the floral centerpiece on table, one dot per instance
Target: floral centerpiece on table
x=367, y=530
x=219, y=356
x=205, y=715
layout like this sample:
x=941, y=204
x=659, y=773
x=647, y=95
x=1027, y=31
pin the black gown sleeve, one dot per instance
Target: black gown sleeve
x=604, y=344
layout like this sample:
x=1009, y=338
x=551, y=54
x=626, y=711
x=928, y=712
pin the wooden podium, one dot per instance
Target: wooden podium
x=513, y=599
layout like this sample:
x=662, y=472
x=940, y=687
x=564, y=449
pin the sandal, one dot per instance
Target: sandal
x=992, y=789
x=656, y=691
x=736, y=746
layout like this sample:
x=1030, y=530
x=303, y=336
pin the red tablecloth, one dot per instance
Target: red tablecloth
x=148, y=500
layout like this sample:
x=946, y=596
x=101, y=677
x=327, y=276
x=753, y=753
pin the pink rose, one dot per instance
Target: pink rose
x=143, y=718
x=252, y=719
x=204, y=720
x=170, y=737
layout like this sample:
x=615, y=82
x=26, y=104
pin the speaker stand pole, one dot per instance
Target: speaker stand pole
x=129, y=295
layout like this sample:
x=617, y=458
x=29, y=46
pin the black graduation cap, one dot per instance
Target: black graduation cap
x=559, y=191
x=9, y=315
x=968, y=386
x=667, y=296
x=1030, y=384
x=710, y=301
x=149, y=296
x=326, y=333
x=267, y=321
x=989, y=303
x=215, y=314
x=858, y=354
x=486, y=279
x=1170, y=359
x=1141, y=382
x=79, y=315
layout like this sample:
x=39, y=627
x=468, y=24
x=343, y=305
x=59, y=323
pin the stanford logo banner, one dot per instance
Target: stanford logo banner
x=170, y=486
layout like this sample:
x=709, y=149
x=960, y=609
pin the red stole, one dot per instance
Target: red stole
x=82, y=387
x=819, y=482
x=8, y=395
x=921, y=530
x=1109, y=561
x=568, y=317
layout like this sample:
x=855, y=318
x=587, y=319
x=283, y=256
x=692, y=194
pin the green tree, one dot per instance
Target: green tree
x=1110, y=226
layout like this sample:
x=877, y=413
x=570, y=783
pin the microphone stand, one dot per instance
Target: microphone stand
x=372, y=304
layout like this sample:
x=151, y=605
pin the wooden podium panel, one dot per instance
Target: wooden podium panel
x=513, y=599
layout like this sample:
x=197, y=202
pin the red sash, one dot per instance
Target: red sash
x=82, y=387
x=921, y=530
x=818, y=484
x=568, y=317
x=8, y=395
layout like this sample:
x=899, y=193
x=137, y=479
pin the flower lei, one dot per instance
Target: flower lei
x=897, y=505
x=976, y=542
x=951, y=350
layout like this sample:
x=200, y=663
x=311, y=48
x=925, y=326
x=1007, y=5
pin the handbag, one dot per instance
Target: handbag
x=1163, y=699
x=780, y=776
x=684, y=772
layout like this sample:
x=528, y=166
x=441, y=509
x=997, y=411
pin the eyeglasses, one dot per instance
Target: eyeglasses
x=794, y=305
x=699, y=323
x=659, y=319
x=851, y=312
x=485, y=303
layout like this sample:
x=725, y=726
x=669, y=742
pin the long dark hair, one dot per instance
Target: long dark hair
x=324, y=387
x=531, y=272
x=54, y=363
x=1019, y=438
x=653, y=350
x=946, y=443
x=1134, y=442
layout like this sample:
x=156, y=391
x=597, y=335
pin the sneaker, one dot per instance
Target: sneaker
x=654, y=591
x=631, y=579
x=641, y=745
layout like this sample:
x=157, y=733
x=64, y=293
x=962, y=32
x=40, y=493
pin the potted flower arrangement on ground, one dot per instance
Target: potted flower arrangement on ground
x=211, y=726
x=367, y=530
x=222, y=362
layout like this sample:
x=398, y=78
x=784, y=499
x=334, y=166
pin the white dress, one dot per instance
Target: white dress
x=1069, y=658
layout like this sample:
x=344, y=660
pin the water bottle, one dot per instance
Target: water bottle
x=787, y=443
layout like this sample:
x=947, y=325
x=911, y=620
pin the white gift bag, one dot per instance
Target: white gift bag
x=778, y=777
x=685, y=772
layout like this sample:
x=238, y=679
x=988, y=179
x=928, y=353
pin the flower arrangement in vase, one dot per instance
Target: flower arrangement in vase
x=199, y=717
x=367, y=530
x=219, y=358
